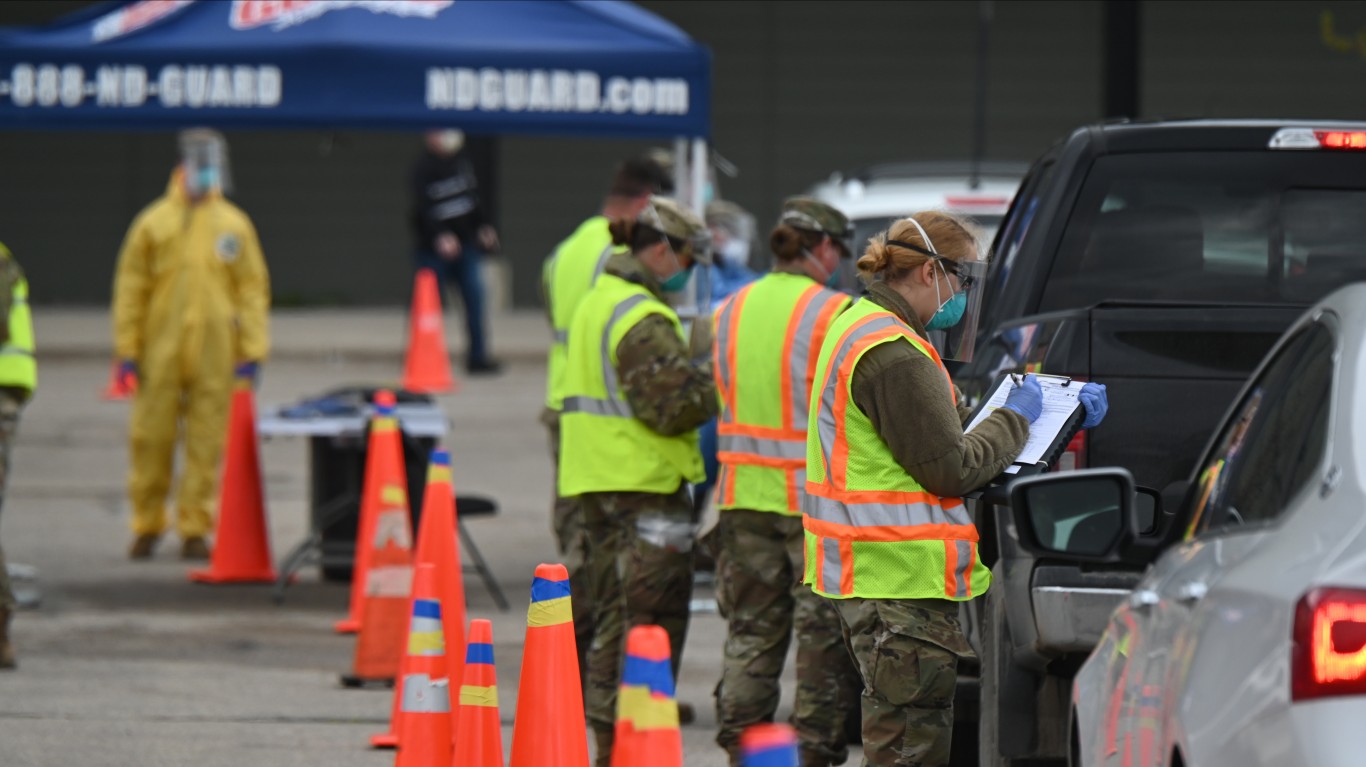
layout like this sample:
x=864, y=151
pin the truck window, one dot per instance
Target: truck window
x=1262, y=227
x=1005, y=245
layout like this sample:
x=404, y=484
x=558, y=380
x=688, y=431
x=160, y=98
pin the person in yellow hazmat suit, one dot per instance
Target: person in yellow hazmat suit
x=191, y=299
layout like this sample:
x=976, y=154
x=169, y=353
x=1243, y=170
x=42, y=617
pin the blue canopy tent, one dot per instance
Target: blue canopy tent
x=598, y=68
x=565, y=67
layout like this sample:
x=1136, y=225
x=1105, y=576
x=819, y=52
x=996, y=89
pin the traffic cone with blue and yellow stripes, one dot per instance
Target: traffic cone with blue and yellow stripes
x=769, y=745
x=550, y=730
x=424, y=718
x=436, y=545
x=647, y=713
x=478, y=731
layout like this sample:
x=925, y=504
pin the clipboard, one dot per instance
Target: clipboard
x=1050, y=435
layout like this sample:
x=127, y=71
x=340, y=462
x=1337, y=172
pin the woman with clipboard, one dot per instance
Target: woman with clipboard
x=887, y=535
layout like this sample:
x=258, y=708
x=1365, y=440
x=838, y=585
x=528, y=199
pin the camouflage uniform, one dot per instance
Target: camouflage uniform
x=12, y=401
x=640, y=571
x=760, y=591
x=907, y=651
x=640, y=545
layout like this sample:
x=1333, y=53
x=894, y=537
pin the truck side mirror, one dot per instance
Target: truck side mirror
x=1081, y=516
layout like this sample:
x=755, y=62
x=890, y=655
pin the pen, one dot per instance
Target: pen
x=1017, y=379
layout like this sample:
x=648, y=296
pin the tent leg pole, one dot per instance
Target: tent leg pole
x=681, y=174
x=697, y=194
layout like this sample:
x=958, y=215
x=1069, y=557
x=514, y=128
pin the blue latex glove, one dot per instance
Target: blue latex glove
x=1026, y=399
x=248, y=370
x=128, y=375
x=1096, y=403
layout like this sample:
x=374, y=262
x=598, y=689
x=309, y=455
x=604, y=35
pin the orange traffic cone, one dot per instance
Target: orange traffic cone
x=425, y=711
x=478, y=732
x=383, y=466
x=550, y=729
x=427, y=366
x=647, y=714
x=388, y=585
x=436, y=546
x=241, y=552
x=120, y=387
x=769, y=745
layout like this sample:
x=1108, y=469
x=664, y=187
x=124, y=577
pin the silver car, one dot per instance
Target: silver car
x=1244, y=644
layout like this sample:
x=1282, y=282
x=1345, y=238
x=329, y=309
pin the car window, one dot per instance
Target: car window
x=1276, y=440
x=1229, y=226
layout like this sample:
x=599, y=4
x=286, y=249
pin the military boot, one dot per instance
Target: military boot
x=194, y=547
x=6, y=647
x=142, y=546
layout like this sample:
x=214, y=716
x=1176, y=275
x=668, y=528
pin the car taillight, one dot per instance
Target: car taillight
x=1333, y=139
x=1074, y=457
x=1329, y=648
x=962, y=201
x=1311, y=138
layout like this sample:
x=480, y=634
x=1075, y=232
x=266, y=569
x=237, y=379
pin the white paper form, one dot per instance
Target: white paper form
x=1059, y=403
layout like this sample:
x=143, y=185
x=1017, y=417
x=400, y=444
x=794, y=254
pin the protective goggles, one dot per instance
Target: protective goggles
x=967, y=272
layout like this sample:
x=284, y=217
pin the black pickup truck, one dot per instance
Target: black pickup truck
x=1162, y=259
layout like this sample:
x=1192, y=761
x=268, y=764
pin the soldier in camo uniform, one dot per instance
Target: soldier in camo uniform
x=18, y=378
x=887, y=537
x=635, y=393
x=767, y=334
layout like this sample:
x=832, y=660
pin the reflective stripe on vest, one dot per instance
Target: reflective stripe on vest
x=604, y=447
x=863, y=507
x=561, y=335
x=17, y=364
x=764, y=384
x=568, y=279
x=614, y=404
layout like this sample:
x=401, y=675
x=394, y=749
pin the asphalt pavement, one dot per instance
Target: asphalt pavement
x=130, y=663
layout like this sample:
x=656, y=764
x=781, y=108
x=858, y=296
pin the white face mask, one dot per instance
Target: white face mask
x=734, y=253
x=451, y=141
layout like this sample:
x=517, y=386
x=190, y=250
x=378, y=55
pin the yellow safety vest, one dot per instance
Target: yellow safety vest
x=568, y=275
x=603, y=446
x=872, y=530
x=767, y=336
x=17, y=364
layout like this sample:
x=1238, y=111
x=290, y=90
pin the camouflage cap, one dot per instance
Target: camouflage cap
x=662, y=157
x=812, y=215
x=815, y=216
x=723, y=213
x=668, y=217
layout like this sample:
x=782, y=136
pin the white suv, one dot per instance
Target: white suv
x=875, y=196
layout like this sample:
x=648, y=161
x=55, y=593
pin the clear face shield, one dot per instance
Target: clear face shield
x=204, y=156
x=958, y=342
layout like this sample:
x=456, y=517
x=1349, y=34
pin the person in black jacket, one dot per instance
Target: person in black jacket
x=452, y=231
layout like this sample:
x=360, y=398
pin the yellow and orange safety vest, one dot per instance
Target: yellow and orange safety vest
x=871, y=529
